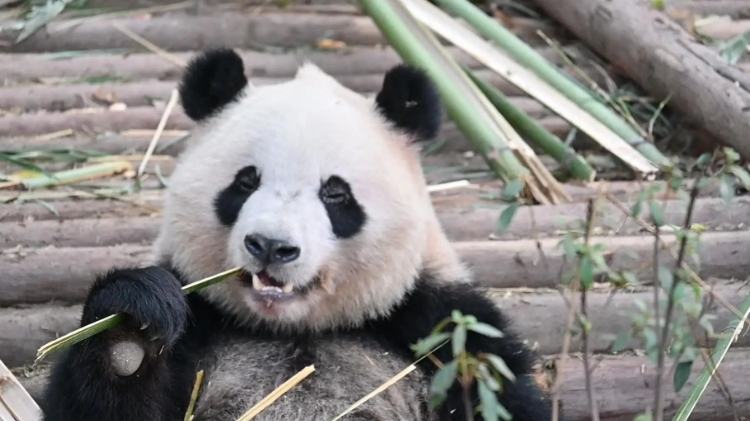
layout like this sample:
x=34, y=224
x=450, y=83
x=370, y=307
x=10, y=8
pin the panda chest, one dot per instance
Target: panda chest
x=240, y=372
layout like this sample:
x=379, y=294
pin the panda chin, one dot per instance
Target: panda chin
x=269, y=290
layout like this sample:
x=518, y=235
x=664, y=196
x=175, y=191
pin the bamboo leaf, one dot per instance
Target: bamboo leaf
x=506, y=217
x=486, y=330
x=682, y=374
x=717, y=356
x=459, y=339
x=443, y=379
x=499, y=365
x=426, y=345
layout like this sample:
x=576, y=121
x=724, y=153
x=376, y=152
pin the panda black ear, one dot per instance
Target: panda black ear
x=411, y=101
x=211, y=80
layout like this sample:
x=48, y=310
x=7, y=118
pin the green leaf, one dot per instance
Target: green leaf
x=587, y=272
x=644, y=416
x=741, y=174
x=485, y=330
x=499, y=365
x=506, y=217
x=426, y=345
x=735, y=48
x=636, y=209
x=666, y=277
x=704, y=159
x=444, y=378
x=726, y=189
x=512, y=190
x=731, y=154
x=682, y=374
x=622, y=340
x=705, y=322
x=656, y=213
x=488, y=400
x=459, y=339
x=488, y=377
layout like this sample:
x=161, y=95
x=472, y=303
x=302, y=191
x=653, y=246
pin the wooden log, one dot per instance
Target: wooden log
x=139, y=118
x=481, y=196
x=234, y=30
x=30, y=68
x=452, y=139
x=139, y=94
x=624, y=386
x=665, y=60
x=63, y=274
x=733, y=8
x=84, y=226
x=541, y=316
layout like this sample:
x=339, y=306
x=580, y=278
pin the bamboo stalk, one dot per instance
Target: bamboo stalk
x=528, y=81
x=113, y=320
x=412, y=44
x=531, y=129
x=530, y=59
x=720, y=351
x=71, y=176
x=277, y=393
x=472, y=112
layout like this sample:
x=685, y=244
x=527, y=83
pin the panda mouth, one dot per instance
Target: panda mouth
x=269, y=289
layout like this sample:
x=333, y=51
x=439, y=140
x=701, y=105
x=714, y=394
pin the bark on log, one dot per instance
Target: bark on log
x=541, y=316
x=454, y=140
x=733, y=8
x=233, y=30
x=624, y=386
x=139, y=94
x=63, y=274
x=28, y=68
x=659, y=55
x=141, y=118
x=460, y=224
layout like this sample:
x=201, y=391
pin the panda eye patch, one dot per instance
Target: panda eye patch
x=347, y=216
x=247, y=179
x=335, y=191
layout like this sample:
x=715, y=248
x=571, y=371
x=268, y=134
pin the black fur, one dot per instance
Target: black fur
x=82, y=386
x=427, y=305
x=410, y=100
x=229, y=201
x=347, y=216
x=211, y=80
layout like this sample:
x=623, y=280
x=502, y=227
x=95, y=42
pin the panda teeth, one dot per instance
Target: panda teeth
x=256, y=282
x=288, y=288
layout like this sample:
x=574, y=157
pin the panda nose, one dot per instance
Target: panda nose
x=270, y=251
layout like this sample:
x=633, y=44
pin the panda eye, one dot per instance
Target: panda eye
x=334, y=191
x=247, y=179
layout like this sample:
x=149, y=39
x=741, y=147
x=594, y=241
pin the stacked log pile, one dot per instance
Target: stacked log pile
x=111, y=98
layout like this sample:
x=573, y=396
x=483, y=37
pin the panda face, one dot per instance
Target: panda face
x=314, y=190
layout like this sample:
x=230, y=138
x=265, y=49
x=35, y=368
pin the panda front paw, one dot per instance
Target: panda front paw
x=155, y=311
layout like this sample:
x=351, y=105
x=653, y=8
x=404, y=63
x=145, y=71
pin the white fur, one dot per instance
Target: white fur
x=298, y=134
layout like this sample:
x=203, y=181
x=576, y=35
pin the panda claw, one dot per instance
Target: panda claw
x=145, y=325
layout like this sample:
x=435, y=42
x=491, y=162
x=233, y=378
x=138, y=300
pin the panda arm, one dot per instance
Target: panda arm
x=140, y=370
x=431, y=302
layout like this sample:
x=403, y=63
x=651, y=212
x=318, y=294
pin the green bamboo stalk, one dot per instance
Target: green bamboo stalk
x=720, y=351
x=113, y=320
x=414, y=45
x=529, y=58
x=535, y=132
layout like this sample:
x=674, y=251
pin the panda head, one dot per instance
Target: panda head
x=314, y=190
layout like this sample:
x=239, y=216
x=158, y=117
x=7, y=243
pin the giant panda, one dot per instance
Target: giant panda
x=317, y=192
